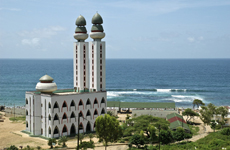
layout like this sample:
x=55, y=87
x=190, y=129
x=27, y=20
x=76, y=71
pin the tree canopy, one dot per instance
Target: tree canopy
x=190, y=114
x=108, y=129
x=197, y=102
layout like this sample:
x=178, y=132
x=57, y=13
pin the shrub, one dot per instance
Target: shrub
x=86, y=145
x=12, y=147
x=225, y=131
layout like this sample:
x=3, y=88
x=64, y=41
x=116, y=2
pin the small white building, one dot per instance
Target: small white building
x=53, y=113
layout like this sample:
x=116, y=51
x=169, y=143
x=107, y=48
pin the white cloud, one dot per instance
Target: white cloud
x=32, y=42
x=191, y=39
x=11, y=9
x=201, y=38
x=42, y=33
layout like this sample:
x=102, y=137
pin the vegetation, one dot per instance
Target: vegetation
x=86, y=145
x=197, y=102
x=63, y=140
x=137, y=140
x=91, y=136
x=81, y=137
x=12, y=147
x=108, y=129
x=51, y=141
x=190, y=114
x=18, y=119
x=213, y=125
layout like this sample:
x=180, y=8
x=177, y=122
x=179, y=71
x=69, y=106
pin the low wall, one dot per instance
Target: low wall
x=9, y=112
x=155, y=113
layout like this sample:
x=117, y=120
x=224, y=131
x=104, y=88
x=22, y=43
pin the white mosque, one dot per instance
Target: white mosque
x=53, y=113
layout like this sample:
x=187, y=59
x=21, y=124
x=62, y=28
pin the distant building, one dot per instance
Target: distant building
x=53, y=113
x=176, y=121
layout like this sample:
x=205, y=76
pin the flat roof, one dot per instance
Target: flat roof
x=140, y=104
x=63, y=92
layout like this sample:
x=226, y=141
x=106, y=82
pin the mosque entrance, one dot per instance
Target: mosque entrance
x=72, y=130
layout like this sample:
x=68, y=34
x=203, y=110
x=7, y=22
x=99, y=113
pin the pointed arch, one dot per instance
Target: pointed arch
x=72, y=130
x=64, y=129
x=56, y=117
x=95, y=113
x=88, y=113
x=49, y=105
x=26, y=101
x=27, y=124
x=49, y=117
x=80, y=104
x=56, y=106
x=72, y=104
x=64, y=117
x=73, y=116
x=81, y=127
x=88, y=102
x=94, y=125
x=26, y=112
x=88, y=127
x=102, y=100
x=49, y=130
x=81, y=115
x=95, y=102
x=64, y=105
x=56, y=131
x=102, y=111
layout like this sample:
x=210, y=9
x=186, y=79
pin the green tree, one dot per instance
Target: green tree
x=12, y=147
x=206, y=113
x=137, y=140
x=165, y=136
x=63, y=140
x=223, y=111
x=91, y=136
x=152, y=131
x=213, y=125
x=81, y=137
x=190, y=114
x=197, y=102
x=108, y=129
x=51, y=141
x=179, y=134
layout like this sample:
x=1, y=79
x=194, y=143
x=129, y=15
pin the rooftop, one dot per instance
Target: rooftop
x=139, y=104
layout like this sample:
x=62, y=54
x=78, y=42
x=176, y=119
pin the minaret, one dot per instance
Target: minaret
x=81, y=57
x=97, y=55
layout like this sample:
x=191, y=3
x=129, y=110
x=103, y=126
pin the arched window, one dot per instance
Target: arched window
x=103, y=111
x=64, y=116
x=49, y=117
x=49, y=130
x=80, y=103
x=81, y=126
x=26, y=101
x=88, y=102
x=81, y=114
x=56, y=117
x=72, y=103
x=64, y=104
x=49, y=105
x=100, y=46
x=72, y=115
x=56, y=130
x=56, y=105
x=26, y=112
x=88, y=113
x=95, y=112
x=64, y=129
x=102, y=100
x=26, y=124
x=95, y=101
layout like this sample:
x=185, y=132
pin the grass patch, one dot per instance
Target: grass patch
x=194, y=129
x=18, y=119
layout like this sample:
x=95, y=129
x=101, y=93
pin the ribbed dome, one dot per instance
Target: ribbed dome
x=80, y=21
x=80, y=30
x=97, y=19
x=46, y=78
x=97, y=28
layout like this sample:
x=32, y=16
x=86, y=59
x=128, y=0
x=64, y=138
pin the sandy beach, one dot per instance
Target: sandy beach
x=11, y=135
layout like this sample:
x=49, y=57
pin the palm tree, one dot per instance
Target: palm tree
x=63, y=140
x=197, y=102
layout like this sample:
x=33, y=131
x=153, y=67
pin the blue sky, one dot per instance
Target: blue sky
x=134, y=29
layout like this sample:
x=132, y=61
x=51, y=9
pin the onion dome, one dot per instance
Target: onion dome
x=97, y=28
x=80, y=31
x=80, y=21
x=97, y=19
x=46, y=84
x=97, y=31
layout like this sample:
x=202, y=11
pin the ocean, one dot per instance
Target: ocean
x=129, y=80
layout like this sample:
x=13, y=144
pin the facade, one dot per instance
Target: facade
x=53, y=113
